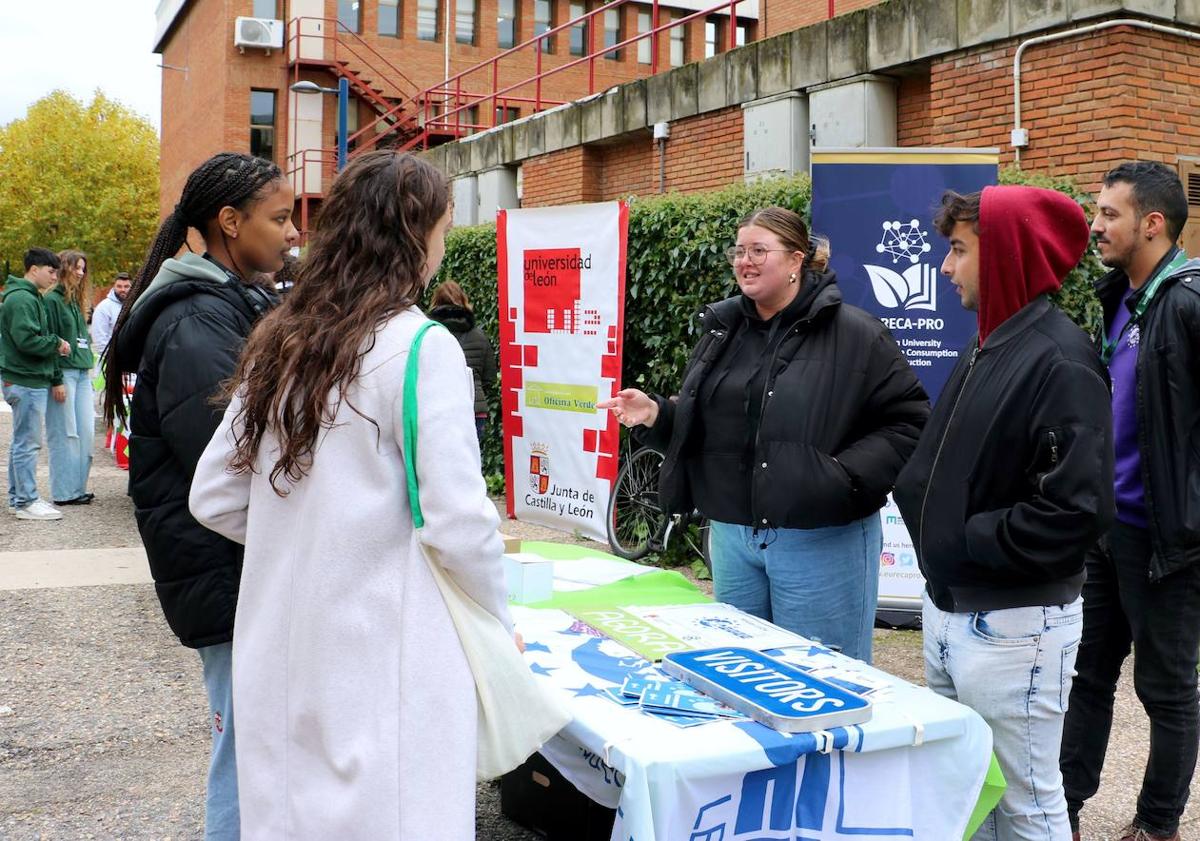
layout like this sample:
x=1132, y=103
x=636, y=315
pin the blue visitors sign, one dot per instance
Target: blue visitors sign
x=769, y=691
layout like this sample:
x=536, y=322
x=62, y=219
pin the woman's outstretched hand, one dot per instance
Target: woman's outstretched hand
x=631, y=408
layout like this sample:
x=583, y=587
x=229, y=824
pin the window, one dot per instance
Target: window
x=543, y=21
x=428, y=15
x=741, y=35
x=612, y=33
x=389, y=18
x=506, y=24
x=352, y=125
x=262, y=124
x=506, y=114
x=679, y=44
x=644, y=47
x=579, y=32
x=266, y=9
x=350, y=14
x=468, y=118
x=465, y=14
x=712, y=37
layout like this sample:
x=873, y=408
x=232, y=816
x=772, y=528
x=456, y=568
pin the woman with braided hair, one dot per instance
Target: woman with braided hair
x=181, y=329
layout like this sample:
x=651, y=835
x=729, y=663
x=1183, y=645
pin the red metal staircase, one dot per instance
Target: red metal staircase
x=408, y=117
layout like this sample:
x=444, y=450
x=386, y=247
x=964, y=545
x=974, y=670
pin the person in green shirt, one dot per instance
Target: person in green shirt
x=29, y=371
x=71, y=424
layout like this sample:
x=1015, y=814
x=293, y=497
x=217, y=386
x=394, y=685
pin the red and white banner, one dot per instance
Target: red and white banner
x=562, y=315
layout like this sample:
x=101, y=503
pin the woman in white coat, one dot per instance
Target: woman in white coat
x=356, y=706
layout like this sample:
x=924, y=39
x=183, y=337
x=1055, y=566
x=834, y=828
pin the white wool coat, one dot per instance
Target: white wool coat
x=356, y=710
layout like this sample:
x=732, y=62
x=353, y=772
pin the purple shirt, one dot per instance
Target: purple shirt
x=1122, y=367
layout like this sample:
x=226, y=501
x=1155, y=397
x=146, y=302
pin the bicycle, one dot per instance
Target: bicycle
x=637, y=525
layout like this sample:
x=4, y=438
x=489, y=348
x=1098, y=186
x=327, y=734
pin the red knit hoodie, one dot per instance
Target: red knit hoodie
x=1029, y=238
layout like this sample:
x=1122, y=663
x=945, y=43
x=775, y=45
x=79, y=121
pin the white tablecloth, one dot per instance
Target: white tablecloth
x=914, y=771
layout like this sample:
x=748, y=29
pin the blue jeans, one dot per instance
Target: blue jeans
x=1160, y=620
x=70, y=428
x=29, y=412
x=1014, y=667
x=820, y=583
x=222, y=820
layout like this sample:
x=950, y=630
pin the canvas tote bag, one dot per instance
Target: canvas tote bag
x=516, y=716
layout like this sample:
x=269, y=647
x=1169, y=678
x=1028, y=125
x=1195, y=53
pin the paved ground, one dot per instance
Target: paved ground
x=103, y=722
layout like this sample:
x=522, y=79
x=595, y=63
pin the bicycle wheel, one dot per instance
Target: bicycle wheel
x=698, y=541
x=636, y=522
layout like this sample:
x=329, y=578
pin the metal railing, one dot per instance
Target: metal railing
x=443, y=110
x=452, y=88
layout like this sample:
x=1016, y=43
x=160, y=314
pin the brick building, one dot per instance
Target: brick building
x=219, y=93
x=1101, y=81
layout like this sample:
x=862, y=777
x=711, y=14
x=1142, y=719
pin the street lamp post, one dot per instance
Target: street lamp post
x=342, y=92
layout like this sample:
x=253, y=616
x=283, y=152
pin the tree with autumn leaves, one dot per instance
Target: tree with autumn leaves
x=75, y=175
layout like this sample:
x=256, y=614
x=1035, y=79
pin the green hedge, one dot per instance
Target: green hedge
x=676, y=265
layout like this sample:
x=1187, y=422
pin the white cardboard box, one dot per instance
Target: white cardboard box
x=530, y=578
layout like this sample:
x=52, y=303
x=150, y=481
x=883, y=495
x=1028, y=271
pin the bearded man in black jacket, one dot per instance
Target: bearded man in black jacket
x=1143, y=579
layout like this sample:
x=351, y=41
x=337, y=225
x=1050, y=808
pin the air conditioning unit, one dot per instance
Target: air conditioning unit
x=263, y=33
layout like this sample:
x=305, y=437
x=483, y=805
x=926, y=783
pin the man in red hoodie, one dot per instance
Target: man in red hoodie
x=1010, y=485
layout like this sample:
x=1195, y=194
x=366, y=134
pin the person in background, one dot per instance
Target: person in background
x=106, y=312
x=29, y=353
x=795, y=415
x=285, y=278
x=451, y=307
x=71, y=424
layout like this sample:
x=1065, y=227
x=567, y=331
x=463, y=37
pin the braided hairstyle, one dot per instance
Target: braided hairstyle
x=227, y=179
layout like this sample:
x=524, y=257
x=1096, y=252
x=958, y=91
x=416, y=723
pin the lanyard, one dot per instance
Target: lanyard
x=1108, y=348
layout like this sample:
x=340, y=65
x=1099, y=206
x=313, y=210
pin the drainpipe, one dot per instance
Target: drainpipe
x=1020, y=135
x=446, y=37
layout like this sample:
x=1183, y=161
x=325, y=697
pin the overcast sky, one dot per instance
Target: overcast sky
x=78, y=46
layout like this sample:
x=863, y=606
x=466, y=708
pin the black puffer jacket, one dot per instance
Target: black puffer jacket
x=481, y=356
x=183, y=339
x=840, y=413
x=1168, y=410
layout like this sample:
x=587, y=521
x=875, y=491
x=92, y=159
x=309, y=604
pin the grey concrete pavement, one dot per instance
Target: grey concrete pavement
x=103, y=720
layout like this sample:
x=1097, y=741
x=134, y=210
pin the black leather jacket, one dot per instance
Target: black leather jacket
x=1168, y=411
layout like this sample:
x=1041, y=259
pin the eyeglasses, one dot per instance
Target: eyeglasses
x=756, y=253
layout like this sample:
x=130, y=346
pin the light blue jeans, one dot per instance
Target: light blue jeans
x=70, y=429
x=29, y=412
x=222, y=820
x=820, y=583
x=1014, y=667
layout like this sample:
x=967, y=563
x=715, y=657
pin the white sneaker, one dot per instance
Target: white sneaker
x=39, y=510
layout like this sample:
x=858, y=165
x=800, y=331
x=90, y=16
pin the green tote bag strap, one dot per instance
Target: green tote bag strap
x=410, y=422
